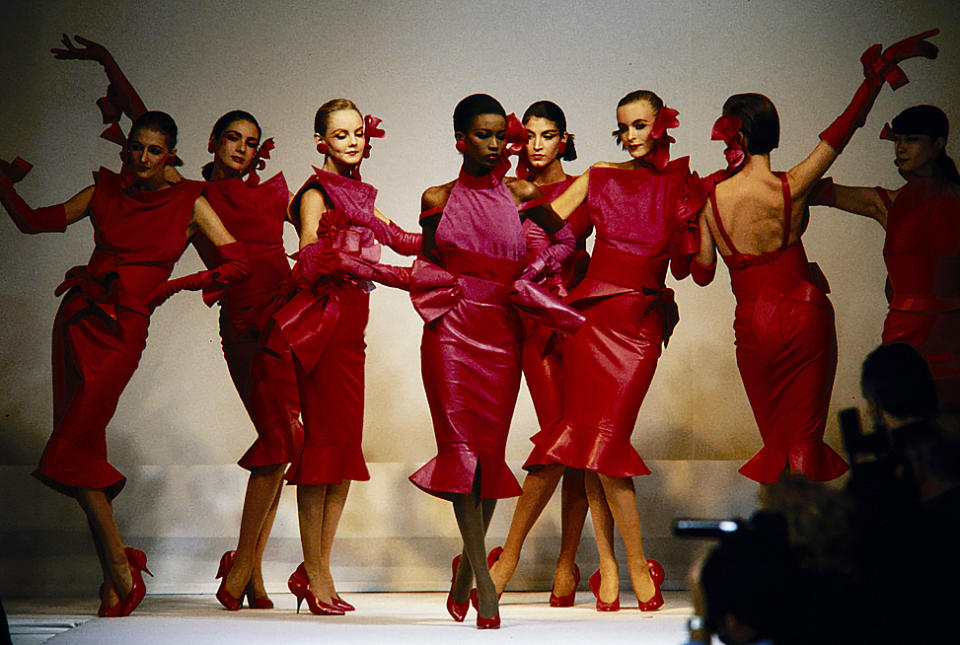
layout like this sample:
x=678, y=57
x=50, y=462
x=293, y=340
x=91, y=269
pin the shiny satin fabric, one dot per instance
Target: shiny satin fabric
x=265, y=379
x=101, y=326
x=922, y=254
x=324, y=324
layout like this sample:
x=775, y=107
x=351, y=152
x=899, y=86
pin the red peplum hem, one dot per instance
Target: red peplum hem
x=319, y=465
x=274, y=446
x=66, y=466
x=585, y=448
x=454, y=472
x=816, y=461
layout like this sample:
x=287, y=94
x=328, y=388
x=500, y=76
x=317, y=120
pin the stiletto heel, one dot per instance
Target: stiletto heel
x=137, y=561
x=567, y=600
x=595, y=588
x=457, y=610
x=657, y=575
x=299, y=585
x=228, y=601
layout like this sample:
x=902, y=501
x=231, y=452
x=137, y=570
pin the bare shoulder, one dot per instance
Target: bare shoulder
x=436, y=196
x=522, y=190
x=622, y=165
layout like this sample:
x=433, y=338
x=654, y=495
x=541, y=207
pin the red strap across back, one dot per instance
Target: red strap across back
x=787, y=210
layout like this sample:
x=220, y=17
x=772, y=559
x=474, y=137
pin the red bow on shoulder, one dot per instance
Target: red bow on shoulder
x=666, y=118
x=727, y=129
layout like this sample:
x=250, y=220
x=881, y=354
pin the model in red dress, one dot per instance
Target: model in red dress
x=141, y=225
x=324, y=323
x=548, y=142
x=785, y=332
x=473, y=253
x=642, y=218
x=254, y=212
x=922, y=246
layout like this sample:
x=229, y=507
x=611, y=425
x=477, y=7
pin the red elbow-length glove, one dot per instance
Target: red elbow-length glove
x=28, y=220
x=878, y=68
x=549, y=259
x=213, y=282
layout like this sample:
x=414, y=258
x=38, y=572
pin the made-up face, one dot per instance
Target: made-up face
x=344, y=137
x=635, y=125
x=485, y=139
x=543, y=141
x=916, y=153
x=146, y=154
x=236, y=147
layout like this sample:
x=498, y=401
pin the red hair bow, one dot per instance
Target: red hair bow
x=258, y=163
x=887, y=134
x=371, y=130
x=727, y=129
x=666, y=118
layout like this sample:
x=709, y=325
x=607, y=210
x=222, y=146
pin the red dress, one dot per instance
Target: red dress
x=324, y=324
x=922, y=254
x=470, y=350
x=642, y=223
x=100, y=329
x=542, y=360
x=787, y=354
x=264, y=378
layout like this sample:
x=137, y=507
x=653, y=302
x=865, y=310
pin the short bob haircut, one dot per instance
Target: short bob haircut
x=759, y=121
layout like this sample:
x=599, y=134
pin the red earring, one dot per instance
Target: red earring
x=561, y=148
x=322, y=147
x=461, y=146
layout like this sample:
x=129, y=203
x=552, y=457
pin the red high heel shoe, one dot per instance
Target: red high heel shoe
x=595, y=588
x=492, y=557
x=112, y=611
x=457, y=610
x=228, y=601
x=657, y=575
x=299, y=585
x=488, y=623
x=137, y=560
x=257, y=603
x=342, y=604
x=568, y=600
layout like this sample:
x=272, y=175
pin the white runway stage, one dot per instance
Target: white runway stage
x=380, y=618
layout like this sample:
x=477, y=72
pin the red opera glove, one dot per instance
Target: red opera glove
x=356, y=267
x=30, y=220
x=824, y=193
x=312, y=264
x=389, y=233
x=878, y=68
x=213, y=282
x=548, y=260
x=702, y=275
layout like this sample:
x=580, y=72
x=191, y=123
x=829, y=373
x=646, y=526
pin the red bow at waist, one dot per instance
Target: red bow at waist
x=102, y=285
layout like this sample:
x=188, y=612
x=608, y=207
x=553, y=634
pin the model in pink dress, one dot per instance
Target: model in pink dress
x=141, y=226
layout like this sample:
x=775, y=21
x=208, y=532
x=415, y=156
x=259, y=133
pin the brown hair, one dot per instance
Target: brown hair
x=328, y=108
x=759, y=121
x=639, y=95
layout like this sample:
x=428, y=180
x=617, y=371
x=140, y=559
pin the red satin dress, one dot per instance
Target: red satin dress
x=922, y=254
x=264, y=378
x=470, y=350
x=608, y=364
x=787, y=354
x=101, y=326
x=542, y=356
x=324, y=324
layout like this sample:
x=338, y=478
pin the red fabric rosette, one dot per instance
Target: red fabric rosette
x=666, y=118
x=258, y=162
x=727, y=129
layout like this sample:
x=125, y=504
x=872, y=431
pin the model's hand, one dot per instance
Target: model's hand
x=89, y=51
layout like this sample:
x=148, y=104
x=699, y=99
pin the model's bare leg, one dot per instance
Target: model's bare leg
x=538, y=486
x=573, y=514
x=256, y=583
x=106, y=535
x=108, y=595
x=470, y=511
x=603, y=530
x=333, y=510
x=259, y=506
x=262, y=490
x=311, y=503
x=622, y=500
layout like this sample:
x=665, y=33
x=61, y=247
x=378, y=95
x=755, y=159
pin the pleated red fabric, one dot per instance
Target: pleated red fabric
x=101, y=326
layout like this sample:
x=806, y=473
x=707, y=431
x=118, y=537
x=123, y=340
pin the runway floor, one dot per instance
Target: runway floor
x=380, y=618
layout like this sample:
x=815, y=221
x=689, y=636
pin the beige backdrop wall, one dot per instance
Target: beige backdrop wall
x=180, y=426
